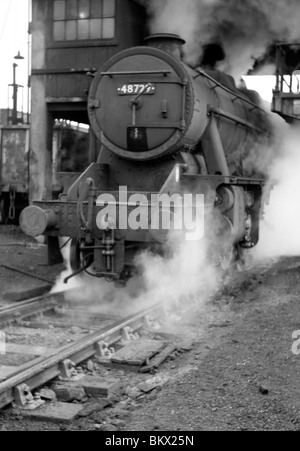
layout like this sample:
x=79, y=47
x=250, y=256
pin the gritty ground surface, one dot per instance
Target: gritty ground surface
x=240, y=373
x=21, y=252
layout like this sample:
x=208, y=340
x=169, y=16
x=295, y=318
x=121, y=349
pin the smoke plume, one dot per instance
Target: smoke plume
x=245, y=28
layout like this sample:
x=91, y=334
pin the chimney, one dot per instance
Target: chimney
x=170, y=43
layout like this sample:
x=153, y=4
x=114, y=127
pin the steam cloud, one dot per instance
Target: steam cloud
x=280, y=229
x=183, y=277
x=245, y=28
x=186, y=276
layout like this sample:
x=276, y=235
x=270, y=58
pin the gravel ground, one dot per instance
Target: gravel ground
x=21, y=252
x=249, y=379
x=241, y=373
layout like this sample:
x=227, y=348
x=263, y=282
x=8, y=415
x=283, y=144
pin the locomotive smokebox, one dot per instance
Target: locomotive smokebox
x=170, y=43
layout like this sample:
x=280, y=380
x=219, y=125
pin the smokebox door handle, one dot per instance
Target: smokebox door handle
x=164, y=109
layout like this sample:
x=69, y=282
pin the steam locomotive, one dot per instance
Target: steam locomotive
x=165, y=128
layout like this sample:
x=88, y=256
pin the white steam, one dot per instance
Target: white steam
x=74, y=283
x=245, y=28
x=280, y=229
x=186, y=276
x=183, y=277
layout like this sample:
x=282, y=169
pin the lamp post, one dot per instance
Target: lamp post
x=15, y=87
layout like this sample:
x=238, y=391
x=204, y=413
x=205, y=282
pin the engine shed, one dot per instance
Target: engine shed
x=71, y=40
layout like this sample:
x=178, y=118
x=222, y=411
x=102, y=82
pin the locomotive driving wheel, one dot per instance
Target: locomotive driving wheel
x=2, y=211
x=80, y=259
x=75, y=258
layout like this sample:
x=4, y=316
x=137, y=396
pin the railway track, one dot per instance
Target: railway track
x=30, y=307
x=122, y=343
x=48, y=339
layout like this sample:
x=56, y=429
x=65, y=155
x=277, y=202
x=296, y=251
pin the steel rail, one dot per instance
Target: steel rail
x=30, y=307
x=28, y=274
x=42, y=370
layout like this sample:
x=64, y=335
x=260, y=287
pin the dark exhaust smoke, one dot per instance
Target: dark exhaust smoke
x=246, y=28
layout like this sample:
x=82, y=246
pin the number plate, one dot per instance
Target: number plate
x=131, y=89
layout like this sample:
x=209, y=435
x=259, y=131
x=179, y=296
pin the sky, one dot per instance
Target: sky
x=14, y=38
x=263, y=84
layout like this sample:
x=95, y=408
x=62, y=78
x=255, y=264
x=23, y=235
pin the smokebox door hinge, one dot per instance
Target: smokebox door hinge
x=93, y=104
